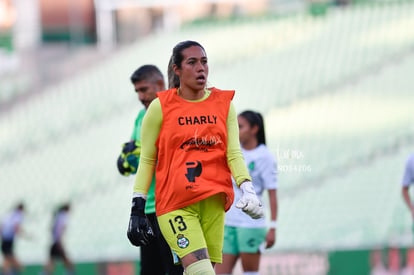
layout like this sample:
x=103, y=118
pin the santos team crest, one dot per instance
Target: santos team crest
x=182, y=241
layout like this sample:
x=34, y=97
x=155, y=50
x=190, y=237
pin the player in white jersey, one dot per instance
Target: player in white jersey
x=244, y=237
x=10, y=227
x=408, y=179
x=57, y=250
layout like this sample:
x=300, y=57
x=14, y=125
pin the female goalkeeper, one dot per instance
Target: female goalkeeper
x=190, y=137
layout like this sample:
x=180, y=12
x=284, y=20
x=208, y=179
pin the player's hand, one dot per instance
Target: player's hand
x=132, y=147
x=140, y=231
x=127, y=162
x=270, y=237
x=126, y=165
x=249, y=202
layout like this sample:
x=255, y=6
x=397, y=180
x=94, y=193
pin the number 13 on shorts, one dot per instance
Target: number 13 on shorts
x=177, y=224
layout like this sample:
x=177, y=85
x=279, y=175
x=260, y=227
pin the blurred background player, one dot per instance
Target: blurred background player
x=407, y=180
x=190, y=135
x=10, y=227
x=243, y=236
x=377, y=263
x=57, y=250
x=156, y=257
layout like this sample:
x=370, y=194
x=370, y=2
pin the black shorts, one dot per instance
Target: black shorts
x=156, y=257
x=57, y=251
x=7, y=247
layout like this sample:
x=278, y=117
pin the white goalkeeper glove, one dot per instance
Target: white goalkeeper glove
x=249, y=202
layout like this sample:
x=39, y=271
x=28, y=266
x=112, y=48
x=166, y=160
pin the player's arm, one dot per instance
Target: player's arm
x=140, y=231
x=407, y=199
x=18, y=230
x=249, y=202
x=273, y=204
x=134, y=134
x=268, y=174
x=271, y=234
x=150, y=130
x=408, y=178
x=235, y=158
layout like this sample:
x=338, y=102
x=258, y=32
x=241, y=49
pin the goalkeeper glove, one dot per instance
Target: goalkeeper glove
x=140, y=231
x=249, y=202
x=124, y=166
x=131, y=147
x=127, y=162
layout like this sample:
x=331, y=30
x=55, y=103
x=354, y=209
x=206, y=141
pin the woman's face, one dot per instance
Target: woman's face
x=246, y=132
x=194, y=68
